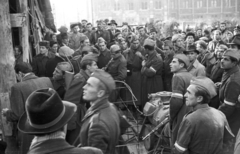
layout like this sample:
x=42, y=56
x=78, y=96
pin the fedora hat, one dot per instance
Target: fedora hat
x=112, y=22
x=45, y=113
x=191, y=48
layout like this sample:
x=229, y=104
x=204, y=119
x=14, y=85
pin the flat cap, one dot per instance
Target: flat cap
x=175, y=37
x=232, y=53
x=89, y=56
x=64, y=66
x=149, y=42
x=105, y=78
x=65, y=51
x=206, y=84
x=183, y=58
x=44, y=43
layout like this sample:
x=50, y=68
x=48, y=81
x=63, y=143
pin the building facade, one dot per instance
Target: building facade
x=142, y=11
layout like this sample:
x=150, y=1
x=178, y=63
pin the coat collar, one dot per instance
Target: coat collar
x=84, y=74
x=97, y=105
x=49, y=146
x=29, y=76
x=228, y=73
x=181, y=70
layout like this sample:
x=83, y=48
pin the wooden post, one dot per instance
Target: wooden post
x=7, y=75
x=25, y=30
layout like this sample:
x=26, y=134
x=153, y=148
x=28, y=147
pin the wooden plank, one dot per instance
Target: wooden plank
x=5, y=103
x=17, y=19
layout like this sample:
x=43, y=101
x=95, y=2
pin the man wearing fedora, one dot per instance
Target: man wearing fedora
x=19, y=94
x=74, y=94
x=229, y=91
x=46, y=118
x=180, y=82
x=101, y=124
x=195, y=67
x=202, y=130
x=113, y=30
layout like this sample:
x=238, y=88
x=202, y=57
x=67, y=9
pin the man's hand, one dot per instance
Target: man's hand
x=138, y=54
x=143, y=63
x=4, y=112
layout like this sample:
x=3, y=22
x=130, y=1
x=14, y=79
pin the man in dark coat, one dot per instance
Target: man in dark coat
x=74, y=94
x=40, y=60
x=180, y=82
x=229, y=92
x=62, y=55
x=19, y=94
x=113, y=31
x=104, y=56
x=46, y=117
x=142, y=35
x=134, y=57
x=117, y=68
x=100, y=32
x=101, y=124
x=151, y=71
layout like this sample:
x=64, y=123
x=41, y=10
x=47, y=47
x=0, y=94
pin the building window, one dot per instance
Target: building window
x=157, y=4
x=187, y=4
x=144, y=5
x=199, y=4
x=214, y=3
x=130, y=6
x=116, y=6
x=232, y=3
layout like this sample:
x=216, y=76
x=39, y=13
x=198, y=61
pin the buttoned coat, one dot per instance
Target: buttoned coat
x=19, y=94
x=101, y=127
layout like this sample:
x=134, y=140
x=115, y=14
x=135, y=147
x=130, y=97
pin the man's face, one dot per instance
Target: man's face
x=113, y=26
x=57, y=74
x=135, y=44
x=153, y=35
x=100, y=26
x=102, y=46
x=16, y=51
x=190, y=40
x=191, y=99
x=226, y=63
x=75, y=29
x=199, y=32
x=216, y=35
x=86, y=42
x=222, y=27
x=141, y=31
x=84, y=23
x=180, y=42
x=104, y=25
x=90, y=90
x=93, y=67
x=89, y=27
x=199, y=48
x=54, y=38
x=115, y=54
x=54, y=48
x=192, y=56
x=175, y=65
x=124, y=45
x=43, y=50
x=167, y=50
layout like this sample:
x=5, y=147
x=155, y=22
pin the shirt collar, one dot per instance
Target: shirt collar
x=200, y=106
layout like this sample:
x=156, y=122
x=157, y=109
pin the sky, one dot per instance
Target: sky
x=70, y=11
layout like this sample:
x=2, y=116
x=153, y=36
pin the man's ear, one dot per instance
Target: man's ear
x=199, y=98
x=101, y=93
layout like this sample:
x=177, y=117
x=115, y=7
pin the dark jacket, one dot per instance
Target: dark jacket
x=112, y=35
x=60, y=146
x=96, y=34
x=39, y=65
x=118, y=68
x=51, y=65
x=101, y=127
x=103, y=58
x=19, y=94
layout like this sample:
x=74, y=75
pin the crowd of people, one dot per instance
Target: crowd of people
x=68, y=96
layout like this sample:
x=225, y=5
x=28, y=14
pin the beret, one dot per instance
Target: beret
x=182, y=57
x=44, y=43
x=206, y=84
x=149, y=42
x=232, y=53
x=64, y=66
x=65, y=51
x=105, y=78
x=89, y=56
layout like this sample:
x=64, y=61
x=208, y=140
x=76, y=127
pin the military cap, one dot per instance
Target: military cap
x=89, y=56
x=75, y=24
x=100, y=40
x=115, y=48
x=134, y=38
x=64, y=66
x=206, y=84
x=176, y=37
x=235, y=40
x=153, y=30
x=191, y=48
x=87, y=48
x=149, y=42
x=44, y=43
x=65, y=51
x=63, y=29
x=183, y=58
x=105, y=78
x=232, y=53
x=168, y=43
